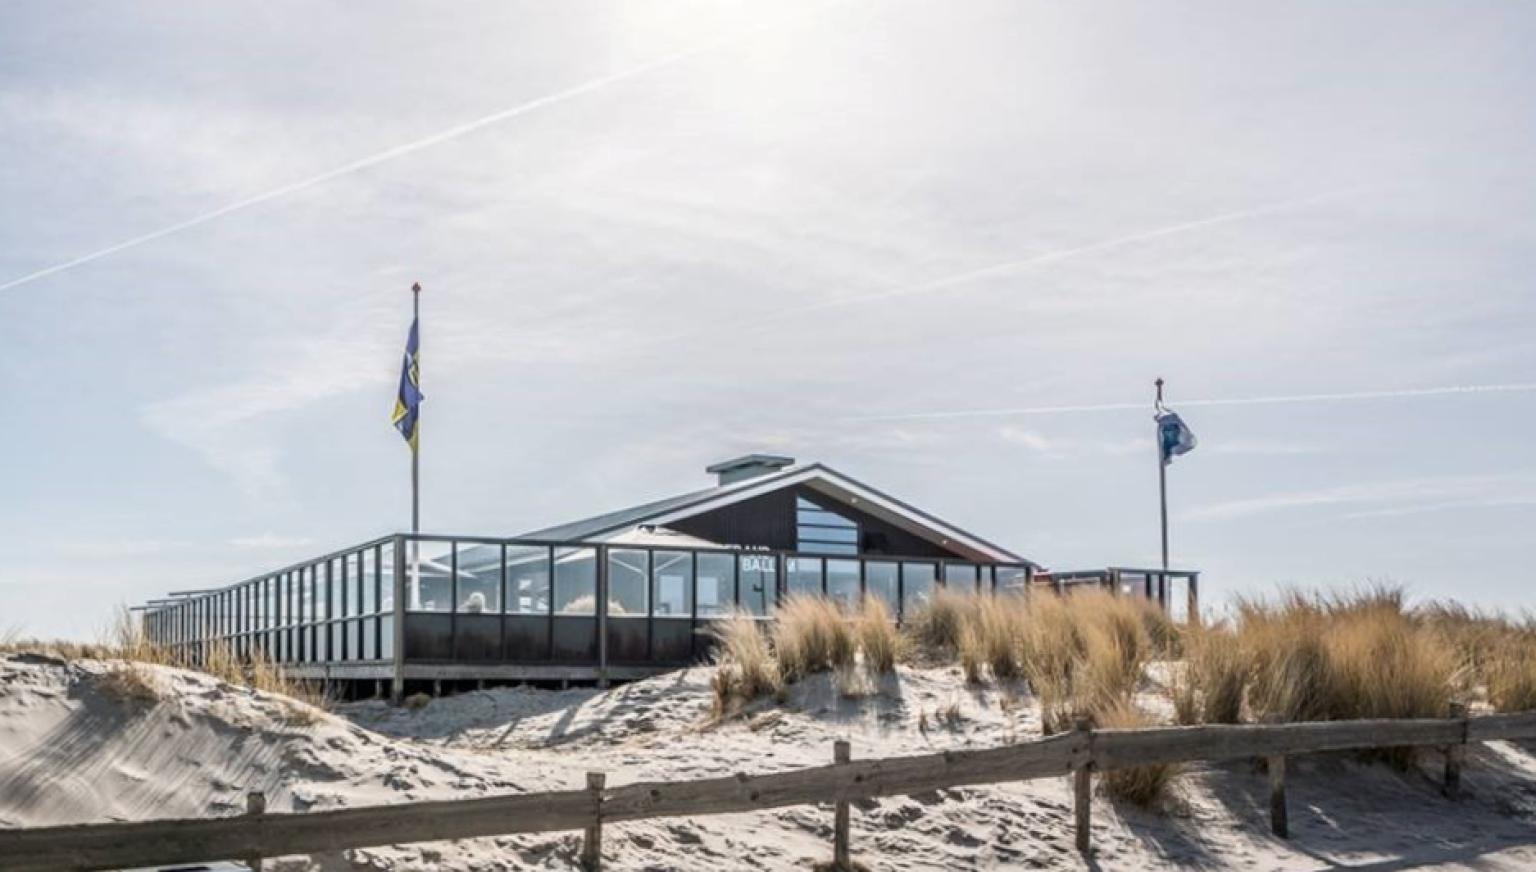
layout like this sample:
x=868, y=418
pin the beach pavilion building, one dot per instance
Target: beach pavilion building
x=616, y=596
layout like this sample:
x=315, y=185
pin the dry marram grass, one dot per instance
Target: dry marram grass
x=811, y=634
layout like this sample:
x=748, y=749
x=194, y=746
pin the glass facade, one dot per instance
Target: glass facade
x=478, y=576
x=576, y=581
x=672, y=584
x=716, y=589
x=528, y=580
x=843, y=582
x=629, y=574
x=341, y=608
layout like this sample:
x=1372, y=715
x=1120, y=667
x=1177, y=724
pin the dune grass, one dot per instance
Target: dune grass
x=744, y=666
x=812, y=634
x=878, y=639
x=130, y=654
x=1208, y=685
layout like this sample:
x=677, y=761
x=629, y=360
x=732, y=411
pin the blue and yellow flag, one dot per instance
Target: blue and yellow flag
x=408, y=400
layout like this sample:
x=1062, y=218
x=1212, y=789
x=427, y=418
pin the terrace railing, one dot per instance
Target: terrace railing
x=434, y=606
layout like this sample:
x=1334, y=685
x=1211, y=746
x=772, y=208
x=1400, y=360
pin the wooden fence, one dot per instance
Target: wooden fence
x=1078, y=753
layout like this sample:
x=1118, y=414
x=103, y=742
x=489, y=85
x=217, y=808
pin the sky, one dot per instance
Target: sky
x=942, y=247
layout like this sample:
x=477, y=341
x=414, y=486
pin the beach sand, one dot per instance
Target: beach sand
x=71, y=753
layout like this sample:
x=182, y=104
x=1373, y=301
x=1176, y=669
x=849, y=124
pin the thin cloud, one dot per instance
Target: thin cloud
x=1006, y=268
x=1390, y=498
x=1282, y=399
x=372, y=160
x=271, y=541
x=1048, y=446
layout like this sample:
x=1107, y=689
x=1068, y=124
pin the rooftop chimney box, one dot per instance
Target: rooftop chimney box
x=747, y=466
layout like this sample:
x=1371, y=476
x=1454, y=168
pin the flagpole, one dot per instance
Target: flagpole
x=1162, y=476
x=415, y=600
x=416, y=450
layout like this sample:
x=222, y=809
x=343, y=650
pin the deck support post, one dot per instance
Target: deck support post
x=1279, y=816
x=255, y=806
x=1082, y=789
x=841, y=753
x=592, y=842
x=1455, y=754
x=397, y=625
x=602, y=616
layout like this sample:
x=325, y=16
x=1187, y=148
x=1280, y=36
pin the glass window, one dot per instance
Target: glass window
x=628, y=571
x=576, y=581
x=370, y=581
x=432, y=590
x=960, y=576
x=916, y=585
x=820, y=531
x=527, y=580
x=387, y=637
x=880, y=581
x=386, y=578
x=339, y=577
x=319, y=596
x=479, y=579
x=803, y=575
x=355, y=583
x=717, y=584
x=843, y=582
x=1012, y=579
x=370, y=640
x=672, y=583
x=759, y=576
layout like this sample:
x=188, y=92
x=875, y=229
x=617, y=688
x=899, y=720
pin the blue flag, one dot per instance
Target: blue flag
x=1173, y=436
x=408, y=400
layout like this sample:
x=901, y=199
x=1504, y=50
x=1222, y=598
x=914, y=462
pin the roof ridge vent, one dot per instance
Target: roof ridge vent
x=747, y=466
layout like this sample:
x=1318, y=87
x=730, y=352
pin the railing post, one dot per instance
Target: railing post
x=396, y=624
x=602, y=615
x=842, y=752
x=255, y=806
x=1192, y=606
x=1455, y=754
x=592, y=844
x=1082, y=787
x=1279, y=818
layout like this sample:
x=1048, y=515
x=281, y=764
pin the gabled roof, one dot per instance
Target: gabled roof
x=815, y=476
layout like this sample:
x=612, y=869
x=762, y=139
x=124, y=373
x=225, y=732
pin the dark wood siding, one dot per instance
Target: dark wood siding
x=768, y=521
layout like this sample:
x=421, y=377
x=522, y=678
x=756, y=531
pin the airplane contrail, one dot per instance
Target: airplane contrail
x=1513, y=387
x=369, y=161
x=1050, y=257
x=661, y=340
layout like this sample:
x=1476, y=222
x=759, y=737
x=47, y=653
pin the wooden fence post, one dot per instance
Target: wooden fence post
x=592, y=845
x=1082, y=787
x=1279, y=817
x=255, y=806
x=1454, y=754
x=841, y=753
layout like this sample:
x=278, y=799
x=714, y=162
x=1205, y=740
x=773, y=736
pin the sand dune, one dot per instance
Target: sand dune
x=71, y=753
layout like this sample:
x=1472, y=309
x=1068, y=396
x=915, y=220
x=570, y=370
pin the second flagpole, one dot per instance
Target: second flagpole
x=1162, y=475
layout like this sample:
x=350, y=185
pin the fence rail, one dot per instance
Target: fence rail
x=1080, y=752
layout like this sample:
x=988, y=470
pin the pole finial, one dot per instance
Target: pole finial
x=416, y=287
x=1159, y=384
